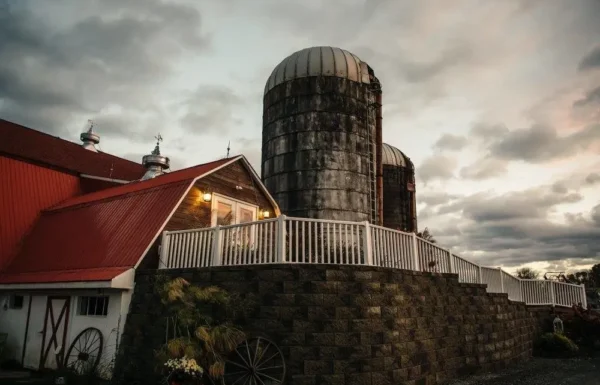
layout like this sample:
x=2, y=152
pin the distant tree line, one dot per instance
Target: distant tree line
x=590, y=278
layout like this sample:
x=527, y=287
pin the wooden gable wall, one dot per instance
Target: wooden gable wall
x=193, y=212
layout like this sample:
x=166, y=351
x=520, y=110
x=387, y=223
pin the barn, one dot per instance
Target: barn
x=76, y=223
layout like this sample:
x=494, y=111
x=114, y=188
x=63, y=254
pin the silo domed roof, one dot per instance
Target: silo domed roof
x=394, y=157
x=319, y=61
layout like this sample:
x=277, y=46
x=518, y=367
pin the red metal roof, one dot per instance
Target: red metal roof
x=37, y=147
x=186, y=174
x=109, y=229
x=25, y=190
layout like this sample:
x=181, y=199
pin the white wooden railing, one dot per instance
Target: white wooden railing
x=300, y=240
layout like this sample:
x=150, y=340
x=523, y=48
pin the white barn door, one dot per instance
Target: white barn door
x=35, y=332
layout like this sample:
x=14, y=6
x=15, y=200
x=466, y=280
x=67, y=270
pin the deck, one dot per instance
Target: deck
x=300, y=240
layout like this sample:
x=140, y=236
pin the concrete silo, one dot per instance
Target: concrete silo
x=319, y=144
x=399, y=197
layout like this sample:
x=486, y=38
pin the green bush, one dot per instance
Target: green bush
x=555, y=345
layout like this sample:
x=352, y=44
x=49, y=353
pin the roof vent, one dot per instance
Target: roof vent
x=155, y=163
x=90, y=139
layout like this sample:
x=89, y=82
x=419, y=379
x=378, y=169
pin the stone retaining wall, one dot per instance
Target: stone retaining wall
x=350, y=325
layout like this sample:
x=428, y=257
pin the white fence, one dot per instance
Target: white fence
x=299, y=240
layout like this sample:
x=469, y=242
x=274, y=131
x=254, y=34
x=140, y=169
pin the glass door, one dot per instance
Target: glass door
x=227, y=211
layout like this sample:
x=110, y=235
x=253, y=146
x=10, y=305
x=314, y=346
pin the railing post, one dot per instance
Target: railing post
x=280, y=252
x=584, y=297
x=552, y=293
x=451, y=262
x=480, y=274
x=416, y=252
x=501, y=280
x=521, y=290
x=163, y=261
x=368, y=241
x=216, y=251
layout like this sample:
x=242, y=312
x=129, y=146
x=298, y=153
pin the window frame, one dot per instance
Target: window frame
x=236, y=206
x=104, y=312
x=12, y=301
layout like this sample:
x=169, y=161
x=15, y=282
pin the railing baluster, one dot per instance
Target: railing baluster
x=353, y=228
x=321, y=236
x=310, y=259
x=328, y=232
x=334, y=244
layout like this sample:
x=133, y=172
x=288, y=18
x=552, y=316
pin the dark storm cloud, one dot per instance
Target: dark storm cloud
x=451, y=142
x=50, y=73
x=536, y=144
x=485, y=168
x=488, y=132
x=212, y=109
x=435, y=198
x=592, y=97
x=513, y=228
x=591, y=60
x=436, y=167
x=593, y=178
x=417, y=72
x=596, y=215
x=533, y=203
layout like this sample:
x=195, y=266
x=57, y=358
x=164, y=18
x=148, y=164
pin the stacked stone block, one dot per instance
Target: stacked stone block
x=339, y=325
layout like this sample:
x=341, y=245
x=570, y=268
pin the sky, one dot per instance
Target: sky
x=496, y=102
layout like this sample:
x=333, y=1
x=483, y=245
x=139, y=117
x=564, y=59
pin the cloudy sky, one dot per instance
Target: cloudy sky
x=496, y=102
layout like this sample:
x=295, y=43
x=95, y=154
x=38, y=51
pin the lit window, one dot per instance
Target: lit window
x=228, y=211
x=93, y=306
x=224, y=214
x=15, y=302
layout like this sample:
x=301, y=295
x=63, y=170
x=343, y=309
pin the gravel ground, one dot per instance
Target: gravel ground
x=542, y=371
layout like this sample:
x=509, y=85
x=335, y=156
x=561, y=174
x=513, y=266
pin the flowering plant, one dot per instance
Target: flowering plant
x=183, y=368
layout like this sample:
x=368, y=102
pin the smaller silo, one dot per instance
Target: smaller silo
x=399, y=197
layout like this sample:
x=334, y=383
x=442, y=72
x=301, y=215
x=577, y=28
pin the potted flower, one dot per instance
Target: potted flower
x=183, y=371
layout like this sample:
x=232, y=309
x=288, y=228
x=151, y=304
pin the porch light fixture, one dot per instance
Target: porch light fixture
x=266, y=214
x=206, y=197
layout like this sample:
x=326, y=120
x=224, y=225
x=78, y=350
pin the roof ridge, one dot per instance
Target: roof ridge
x=42, y=133
x=64, y=206
x=138, y=186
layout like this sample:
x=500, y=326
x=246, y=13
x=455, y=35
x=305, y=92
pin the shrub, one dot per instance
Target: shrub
x=198, y=332
x=555, y=345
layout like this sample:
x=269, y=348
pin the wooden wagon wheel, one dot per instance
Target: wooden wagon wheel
x=256, y=361
x=85, y=351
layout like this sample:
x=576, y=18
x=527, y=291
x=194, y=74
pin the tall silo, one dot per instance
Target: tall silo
x=399, y=197
x=319, y=135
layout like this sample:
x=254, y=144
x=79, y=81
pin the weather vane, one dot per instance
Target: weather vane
x=228, y=148
x=91, y=122
x=157, y=148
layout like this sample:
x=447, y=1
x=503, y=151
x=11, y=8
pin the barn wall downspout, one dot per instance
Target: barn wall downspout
x=379, y=150
x=413, y=200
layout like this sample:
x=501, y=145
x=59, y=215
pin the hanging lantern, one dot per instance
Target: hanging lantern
x=207, y=196
x=558, y=325
x=266, y=214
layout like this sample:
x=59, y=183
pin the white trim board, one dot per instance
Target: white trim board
x=123, y=281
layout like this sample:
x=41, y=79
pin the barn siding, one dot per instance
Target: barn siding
x=193, y=212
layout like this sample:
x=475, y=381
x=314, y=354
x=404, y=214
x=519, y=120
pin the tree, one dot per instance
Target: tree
x=595, y=275
x=527, y=273
x=426, y=235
